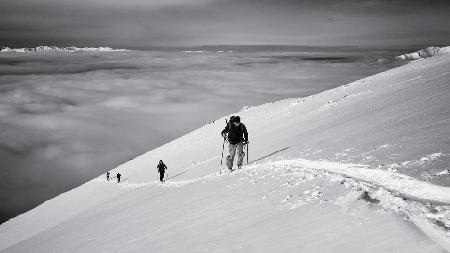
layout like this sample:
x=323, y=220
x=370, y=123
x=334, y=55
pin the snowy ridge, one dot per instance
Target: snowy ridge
x=385, y=188
x=382, y=187
x=424, y=53
x=396, y=182
x=393, y=192
x=61, y=49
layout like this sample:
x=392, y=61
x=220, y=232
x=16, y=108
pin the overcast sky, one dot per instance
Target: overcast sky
x=146, y=23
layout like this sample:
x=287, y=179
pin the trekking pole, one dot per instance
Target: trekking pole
x=247, y=152
x=223, y=146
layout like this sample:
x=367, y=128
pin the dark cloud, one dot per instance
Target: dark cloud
x=17, y=150
x=51, y=70
x=331, y=19
x=284, y=59
x=55, y=63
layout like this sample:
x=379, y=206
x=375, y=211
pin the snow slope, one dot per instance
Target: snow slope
x=359, y=168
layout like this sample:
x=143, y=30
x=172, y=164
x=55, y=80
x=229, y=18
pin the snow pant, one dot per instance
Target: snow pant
x=232, y=149
x=161, y=176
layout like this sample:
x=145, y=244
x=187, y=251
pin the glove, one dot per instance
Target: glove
x=245, y=142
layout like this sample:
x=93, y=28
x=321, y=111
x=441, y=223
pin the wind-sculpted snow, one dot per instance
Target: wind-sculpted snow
x=392, y=192
x=402, y=184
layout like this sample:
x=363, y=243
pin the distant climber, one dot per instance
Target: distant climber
x=118, y=177
x=161, y=169
x=107, y=176
x=236, y=134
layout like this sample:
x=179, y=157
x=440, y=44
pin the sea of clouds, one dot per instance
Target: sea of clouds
x=66, y=117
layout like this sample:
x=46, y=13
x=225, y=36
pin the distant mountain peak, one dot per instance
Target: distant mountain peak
x=60, y=49
x=424, y=53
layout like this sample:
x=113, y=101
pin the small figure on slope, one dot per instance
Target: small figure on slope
x=236, y=134
x=107, y=176
x=161, y=169
x=118, y=177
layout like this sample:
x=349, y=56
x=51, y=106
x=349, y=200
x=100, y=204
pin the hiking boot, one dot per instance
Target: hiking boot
x=239, y=166
x=230, y=168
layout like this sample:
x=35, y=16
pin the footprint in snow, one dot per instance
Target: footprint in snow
x=287, y=198
x=298, y=204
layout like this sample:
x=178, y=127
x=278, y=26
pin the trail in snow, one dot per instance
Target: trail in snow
x=403, y=185
x=381, y=186
x=392, y=191
x=406, y=186
x=266, y=156
x=193, y=165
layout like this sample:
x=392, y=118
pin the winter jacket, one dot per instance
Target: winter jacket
x=236, y=134
x=161, y=167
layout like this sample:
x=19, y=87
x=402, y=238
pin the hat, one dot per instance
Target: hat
x=237, y=119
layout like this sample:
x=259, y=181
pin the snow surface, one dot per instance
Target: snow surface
x=359, y=168
x=424, y=53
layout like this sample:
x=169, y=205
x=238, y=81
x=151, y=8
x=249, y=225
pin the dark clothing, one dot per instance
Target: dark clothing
x=161, y=169
x=118, y=178
x=236, y=134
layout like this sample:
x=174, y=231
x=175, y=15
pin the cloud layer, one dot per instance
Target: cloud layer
x=68, y=117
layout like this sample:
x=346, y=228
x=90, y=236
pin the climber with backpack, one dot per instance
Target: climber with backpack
x=236, y=134
x=161, y=169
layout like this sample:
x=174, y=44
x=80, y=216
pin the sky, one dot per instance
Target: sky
x=139, y=23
